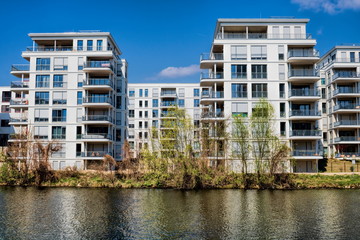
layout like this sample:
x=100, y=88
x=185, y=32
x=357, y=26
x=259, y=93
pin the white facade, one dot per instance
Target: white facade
x=5, y=115
x=273, y=59
x=148, y=104
x=340, y=68
x=73, y=91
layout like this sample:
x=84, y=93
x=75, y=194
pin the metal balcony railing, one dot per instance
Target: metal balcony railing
x=305, y=133
x=97, y=118
x=211, y=56
x=304, y=113
x=306, y=92
x=19, y=85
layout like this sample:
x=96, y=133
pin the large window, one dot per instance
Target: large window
x=58, y=81
x=42, y=81
x=196, y=92
x=238, y=71
x=58, y=132
x=79, y=98
x=99, y=45
x=59, y=98
x=155, y=113
x=6, y=96
x=238, y=90
x=41, y=97
x=258, y=52
x=59, y=115
x=196, y=102
x=41, y=115
x=43, y=64
x=238, y=52
x=80, y=45
x=155, y=103
x=89, y=45
x=258, y=71
x=259, y=90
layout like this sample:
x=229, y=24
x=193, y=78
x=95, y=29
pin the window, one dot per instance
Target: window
x=238, y=71
x=140, y=124
x=276, y=32
x=58, y=132
x=118, y=102
x=6, y=96
x=259, y=90
x=258, y=71
x=131, y=125
x=352, y=56
x=146, y=114
x=286, y=32
x=155, y=113
x=41, y=97
x=140, y=114
x=282, y=128
x=5, y=123
x=89, y=45
x=80, y=45
x=196, y=92
x=58, y=81
x=155, y=92
x=79, y=98
x=258, y=52
x=80, y=63
x=238, y=52
x=324, y=108
x=155, y=123
x=131, y=93
x=42, y=64
x=181, y=102
x=5, y=108
x=146, y=103
x=282, y=90
x=325, y=136
x=59, y=115
x=238, y=90
x=281, y=52
x=41, y=115
x=60, y=64
x=239, y=109
x=181, y=92
x=323, y=93
x=99, y=45
x=155, y=103
x=59, y=97
x=281, y=71
x=140, y=103
x=145, y=135
x=42, y=81
x=80, y=80
x=41, y=132
x=282, y=110
x=131, y=113
x=140, y=92
x=297, y=30
x=146, y=92
x=140, y=137
x=196, y=102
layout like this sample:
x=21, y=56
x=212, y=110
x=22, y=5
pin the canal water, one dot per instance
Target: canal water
x=70, y=213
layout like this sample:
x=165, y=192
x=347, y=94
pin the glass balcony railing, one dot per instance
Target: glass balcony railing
x=19, y=85
x=20, y=67
x=97, y=99
x=304, y=153
x=96, y=136
x=168, y=104
x=303, y=53
x=303, y=73
x=345, y=74
x=346, y=105
x=218, y=75
x=236, y=75
x=305, y=92
x=344, y=90
x=97, y=118
x=94, y=153
x=18, y=120
x=304, y=113
x=168, y=93
x=98, y=81
x=19, y=102
x=259, y=94
x=243, y=35
x=346, y=123
x=64, y=48
x=212, y=114
x=347, y=154
x=305, y=133
x=347, y=139
x=218, y=94
x=211, y=56
x=98, y=64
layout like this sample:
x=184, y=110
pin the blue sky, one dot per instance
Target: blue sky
x=162, y=40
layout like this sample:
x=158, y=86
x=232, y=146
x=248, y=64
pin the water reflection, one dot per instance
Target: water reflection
x=65, y=213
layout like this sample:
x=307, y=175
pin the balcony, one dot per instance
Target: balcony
x=346, y=107
x=19, y=103
x=19, y=70
x=303, y=74
x=212, y=115
x=305, y=134
x=64, y=48
x=347, y=124
x=345, y=91
x=301, y=114
x=212, y=95
x=305, y=154
x=347, y=139
x=96, y=83
x=18, y=121
x=347, y=155
x=97, y=101
x=167, y=104
x=208, y=59
x=212, y=77
x=93, y=154
x=98, y=66
x=345, y=75
x=97, y=119
x=171, y=94
x=303, y=55
x=93, y=137
x=304, y=94
x=243, y=35
x=20, y=85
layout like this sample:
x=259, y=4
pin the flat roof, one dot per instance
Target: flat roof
x=353, y=46
x=163, y=84
x=263, y=20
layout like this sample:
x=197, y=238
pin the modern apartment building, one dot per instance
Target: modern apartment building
x=340, y=68
x=149, y=105
x=72, y=92
x=5, y=115
x=275, y=59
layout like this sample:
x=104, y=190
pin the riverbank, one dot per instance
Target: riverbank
x=101, y=179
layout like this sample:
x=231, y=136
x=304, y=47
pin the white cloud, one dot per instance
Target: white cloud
x=176, y=72
x=328, y=6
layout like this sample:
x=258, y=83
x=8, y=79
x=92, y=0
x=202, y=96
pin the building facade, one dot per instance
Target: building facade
x=149, y=105
x=72, y=92
x=6, y=116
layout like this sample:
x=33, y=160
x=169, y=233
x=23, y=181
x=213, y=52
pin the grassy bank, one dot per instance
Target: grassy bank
x=234, y=181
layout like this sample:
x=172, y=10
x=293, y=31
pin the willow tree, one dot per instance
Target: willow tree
x=241, y=141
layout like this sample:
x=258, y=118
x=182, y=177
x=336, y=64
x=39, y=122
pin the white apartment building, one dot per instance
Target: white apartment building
x=274, y=59
x=340, y=68
x=5, y=128
x=73, y=92
x=149, y=105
